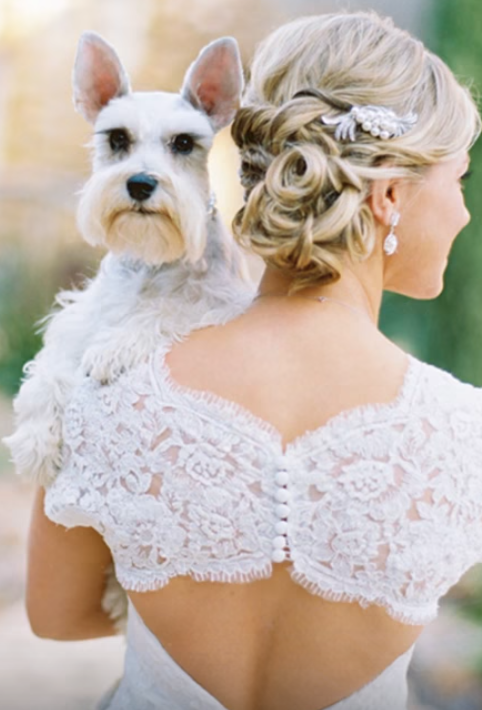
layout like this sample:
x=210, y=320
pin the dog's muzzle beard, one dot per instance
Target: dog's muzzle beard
x=152, y=237
x=170, y=225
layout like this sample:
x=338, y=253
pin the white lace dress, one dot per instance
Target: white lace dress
x=381, y=505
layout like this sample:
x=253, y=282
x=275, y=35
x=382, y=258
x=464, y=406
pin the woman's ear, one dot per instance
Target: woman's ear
x=384, y=200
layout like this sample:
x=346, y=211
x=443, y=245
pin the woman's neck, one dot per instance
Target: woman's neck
x=358, y=288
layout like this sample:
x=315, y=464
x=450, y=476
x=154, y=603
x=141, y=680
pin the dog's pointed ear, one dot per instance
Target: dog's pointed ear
x=214, y=82
x=98, y=76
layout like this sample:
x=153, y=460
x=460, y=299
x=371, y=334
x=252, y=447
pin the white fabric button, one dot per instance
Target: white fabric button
x=281, y=527
x=282, y=510
x=282, y=478
x=279, y=541
x=278, y=555
x=282, y=495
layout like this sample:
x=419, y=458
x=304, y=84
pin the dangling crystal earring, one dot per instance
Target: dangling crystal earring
x=391, y=242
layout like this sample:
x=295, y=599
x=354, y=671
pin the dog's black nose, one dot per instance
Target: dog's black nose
x=141, y=186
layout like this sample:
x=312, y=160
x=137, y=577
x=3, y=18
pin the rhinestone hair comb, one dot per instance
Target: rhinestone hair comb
x=379, y=121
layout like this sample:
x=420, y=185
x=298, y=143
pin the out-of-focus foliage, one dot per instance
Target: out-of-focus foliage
x=26, y=295
x=448, y=330
x=20, y=306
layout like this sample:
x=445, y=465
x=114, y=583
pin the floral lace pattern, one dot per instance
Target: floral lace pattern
x=381, y=505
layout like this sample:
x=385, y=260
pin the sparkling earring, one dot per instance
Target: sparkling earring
x=391, y=242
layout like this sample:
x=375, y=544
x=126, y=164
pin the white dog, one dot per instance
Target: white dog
x=171, y=265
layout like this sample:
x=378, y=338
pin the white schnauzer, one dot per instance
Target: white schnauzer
x=172, y=266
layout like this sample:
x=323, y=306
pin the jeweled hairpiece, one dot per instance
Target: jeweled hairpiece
x=379, y=121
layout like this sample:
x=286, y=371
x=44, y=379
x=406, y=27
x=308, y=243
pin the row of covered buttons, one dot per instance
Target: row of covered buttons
x=282, y=497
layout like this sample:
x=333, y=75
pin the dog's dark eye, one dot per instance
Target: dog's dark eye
x=119, y=140
x=183, y=143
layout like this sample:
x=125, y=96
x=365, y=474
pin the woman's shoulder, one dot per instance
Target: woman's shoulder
x=440, y=391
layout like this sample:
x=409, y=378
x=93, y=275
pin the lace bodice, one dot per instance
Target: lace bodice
x=381, y=505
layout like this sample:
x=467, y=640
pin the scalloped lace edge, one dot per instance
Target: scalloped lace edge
x=414, y=616
x=129, y=583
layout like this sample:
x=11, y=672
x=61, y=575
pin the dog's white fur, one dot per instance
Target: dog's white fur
x=171, y=266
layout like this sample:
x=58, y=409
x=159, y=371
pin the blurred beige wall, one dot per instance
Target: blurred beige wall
x=43, y=158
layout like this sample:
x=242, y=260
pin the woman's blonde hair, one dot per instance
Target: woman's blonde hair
x=306, y=192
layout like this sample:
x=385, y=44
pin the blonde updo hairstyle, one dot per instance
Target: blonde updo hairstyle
x=305, y=191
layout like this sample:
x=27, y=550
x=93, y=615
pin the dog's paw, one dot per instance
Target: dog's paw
x=102, y=363
x=106, y=363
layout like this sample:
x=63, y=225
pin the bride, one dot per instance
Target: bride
x=287, y=497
